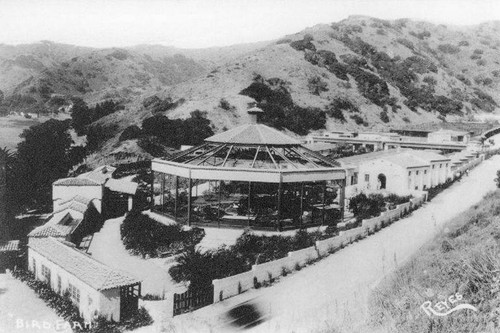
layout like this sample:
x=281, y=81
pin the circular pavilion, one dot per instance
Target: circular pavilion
x=250, y=176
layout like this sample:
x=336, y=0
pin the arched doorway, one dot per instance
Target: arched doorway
x=382, y=179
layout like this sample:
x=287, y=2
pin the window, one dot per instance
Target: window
x=409, y=173
x=433, y=166
x=367, y=177
x=59, y=284
x=34, y=267
x=440, y=166
x=425, y=172
x=354, y=179
x=46, y=273
x=417, y=172
x=74, y=293
x=446, y=164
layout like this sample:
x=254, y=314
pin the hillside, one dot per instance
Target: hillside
x=360, y=73
x=462, y=260
x=38, y=76
x=415, y=71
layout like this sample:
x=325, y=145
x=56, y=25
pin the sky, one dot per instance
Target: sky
x=206, y=23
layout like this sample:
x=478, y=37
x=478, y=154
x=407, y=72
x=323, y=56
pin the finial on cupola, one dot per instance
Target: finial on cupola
x=254, y=113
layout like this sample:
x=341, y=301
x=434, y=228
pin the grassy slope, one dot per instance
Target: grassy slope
x=465, y=259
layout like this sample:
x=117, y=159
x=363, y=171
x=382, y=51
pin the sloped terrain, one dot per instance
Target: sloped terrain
x=40, y=76
x=360, y=73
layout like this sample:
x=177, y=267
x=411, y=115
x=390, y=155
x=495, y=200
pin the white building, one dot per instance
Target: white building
x=439, y=166
x=395, y=170
x=71, y=221
x=96, y=289
x=66, y=189
x=98, y=186
x=448, y=136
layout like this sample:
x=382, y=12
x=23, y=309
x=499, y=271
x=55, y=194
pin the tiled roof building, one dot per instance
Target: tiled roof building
x=95, y=288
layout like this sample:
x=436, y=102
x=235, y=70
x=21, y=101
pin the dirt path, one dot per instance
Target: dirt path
x=22, y=311
x=108, y=248
x=333, y=293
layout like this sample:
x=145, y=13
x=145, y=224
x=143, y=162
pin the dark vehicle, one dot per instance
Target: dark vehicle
x=246, y=315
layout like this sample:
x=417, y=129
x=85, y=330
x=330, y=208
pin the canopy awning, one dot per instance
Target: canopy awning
x=246, y=174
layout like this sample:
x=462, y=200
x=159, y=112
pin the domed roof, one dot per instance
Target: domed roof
x=257, y=134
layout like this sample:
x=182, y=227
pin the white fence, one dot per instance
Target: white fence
x=260, y=273
x=232, y=285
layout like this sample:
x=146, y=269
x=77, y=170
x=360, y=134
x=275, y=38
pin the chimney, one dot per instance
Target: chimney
x=254, y=114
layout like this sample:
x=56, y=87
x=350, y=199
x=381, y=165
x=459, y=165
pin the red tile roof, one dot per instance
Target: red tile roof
x=12, y=245
x=85, y=268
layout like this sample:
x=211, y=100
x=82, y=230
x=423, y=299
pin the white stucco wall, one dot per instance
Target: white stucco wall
x=109, y=304
x=92, y=301
x=396, y=176
x=64, y=193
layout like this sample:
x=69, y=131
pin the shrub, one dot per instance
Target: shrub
x=463, y=79
x=483, y=101
x=478, y=51
x=463, y=43
x=304, y=44
x=448, y=48
x=406, y=120
x=370, y=86
x=406, y=42
x=481, y=62
x=316, y=85
x=358, y=120
x=364, y=207
x=337, y=114
x=397, y=199
x=430, y=80
x=284, y=41
x=384, y=117
x=131, y=132
x=497, y=180
x=144, y=236
x=225, y=105
x=353, y=60
x=340, y=71
x=421, y=35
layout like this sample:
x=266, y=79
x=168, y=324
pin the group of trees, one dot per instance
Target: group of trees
x=45, y=155
x=82, y=116
x=279, y=109
x=159, y=131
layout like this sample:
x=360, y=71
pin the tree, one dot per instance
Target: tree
x=42, y=158
x=81, y=116
x=497, y=180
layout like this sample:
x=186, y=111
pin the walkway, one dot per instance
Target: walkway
x=22, y=311
x=108, y=248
